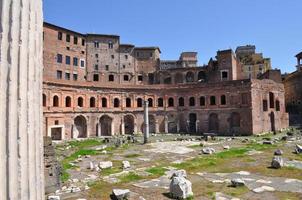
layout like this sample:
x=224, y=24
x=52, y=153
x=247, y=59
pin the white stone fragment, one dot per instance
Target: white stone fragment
x=105, y=164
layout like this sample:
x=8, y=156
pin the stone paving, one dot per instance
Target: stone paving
x=257, y=183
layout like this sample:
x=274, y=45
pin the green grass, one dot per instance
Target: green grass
x=131, y=177
x=157, y=171
x=85, y=143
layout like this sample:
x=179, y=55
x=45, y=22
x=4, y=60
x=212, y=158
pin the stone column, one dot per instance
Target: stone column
x=166, y=125
x=21, y=65
x=146, y=121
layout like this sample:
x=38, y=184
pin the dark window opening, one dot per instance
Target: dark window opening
x=96, y=44
x=170, y=102
x=67, y=38
x=80, y=102
x=277, y=105
x=92, y=102
x=139, y=102
x=95, y=77
x=104, y=102
x=44, y=100
x=75, y=61
x=192, y=101
x=212, y=100
x=75, y=77
x=82, y=63
x=116, y=103
x=96, y=67
x=128, y=102
x=202, y=101
x=55, y=101
x=181, y=102
x=75, y=40
x=110, y=45
x=140, y=78
x=126, y=78
x=222, y=100
x=160, y=102
x=60, y=35
x=59, y=58
x=56, y=122
x=126, y=57
x=107, y=67
x=224, y=75
x=151, y=78
x=67, y=60
x=59, y=74
x=111, y=78
x=67, y=76
x=68, y=101
x=150, y=102
x=264, y=104
x=112, y=56
x=83, y=42
x=271, y=100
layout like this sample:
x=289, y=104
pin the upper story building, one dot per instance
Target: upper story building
x=94, y=85
x=253, y=64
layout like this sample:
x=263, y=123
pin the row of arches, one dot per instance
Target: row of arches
x=139, y=101
x=105, y=125
x=180, y=77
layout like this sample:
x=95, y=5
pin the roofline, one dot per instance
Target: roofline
x=62, y=28
x=148, y=48
x=102, y=35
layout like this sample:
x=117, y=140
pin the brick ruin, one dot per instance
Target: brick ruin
x=95, y=86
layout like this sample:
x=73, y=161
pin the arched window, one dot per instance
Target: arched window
x=139, y=102
x=44, y=100
x=190, y=77
x=192, y=101
x=222, y=100
x=55, y=101
x=212, y=100
x=150, y=100
x=92, y=102
x=80, y=101
x=111, y=78
x=202, y=101
x=170, y=102
x=116, y=103
x=271, y=100
x=201, y=76
x=179, y=78
x=68, y=101
x=160, y=102
x=277, y=105
x=104, y=102
x=181, y=102
x=128, y=102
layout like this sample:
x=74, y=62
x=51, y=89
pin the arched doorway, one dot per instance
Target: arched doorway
x=272, y=119
x=105, y=125
x=201, y=76
x=190, y=77
x=129, y=124
x=172, y=124
x=192, y=122
x=235, y=123
x=80, y=127
x=213, y=122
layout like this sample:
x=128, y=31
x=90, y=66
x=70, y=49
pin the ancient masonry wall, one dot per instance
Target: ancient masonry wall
x=21, y=144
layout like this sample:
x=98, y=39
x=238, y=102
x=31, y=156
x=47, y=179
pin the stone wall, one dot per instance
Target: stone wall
x=21, y=144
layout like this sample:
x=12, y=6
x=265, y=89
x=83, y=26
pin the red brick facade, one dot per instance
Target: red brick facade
x=107, y=98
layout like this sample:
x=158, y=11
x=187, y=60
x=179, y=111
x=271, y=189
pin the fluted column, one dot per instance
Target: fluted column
x=21, y=138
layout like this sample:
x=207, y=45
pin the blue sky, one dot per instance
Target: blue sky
x=205, y=26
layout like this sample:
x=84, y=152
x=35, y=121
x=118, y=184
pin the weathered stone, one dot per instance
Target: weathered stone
x=298, y=149
x=268, y=142
x=179, y=173
x=226, y=147
x=126, y=164
x=278, y=152
x=120, y=194
x=53, y=197
x=208, y=150
x=91, y=166
x=237, y=182
x=105, y=164
x=277, y=162
x=180, y=188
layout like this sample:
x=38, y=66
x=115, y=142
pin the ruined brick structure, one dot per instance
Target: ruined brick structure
x=293, y=93
x=106, y=97
x=253, y=64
